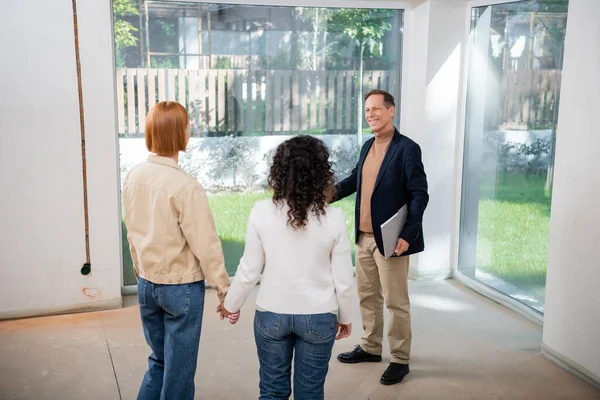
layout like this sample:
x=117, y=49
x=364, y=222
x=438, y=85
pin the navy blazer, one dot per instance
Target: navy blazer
x=401, y=180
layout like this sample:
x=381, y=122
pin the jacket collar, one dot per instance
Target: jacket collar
x=153, y=158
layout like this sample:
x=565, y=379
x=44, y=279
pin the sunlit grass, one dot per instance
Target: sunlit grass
x=513, y=229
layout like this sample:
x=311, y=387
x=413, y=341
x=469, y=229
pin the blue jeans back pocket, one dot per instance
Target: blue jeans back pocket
x=322, y=326
x=267, y=321
x=175, y=299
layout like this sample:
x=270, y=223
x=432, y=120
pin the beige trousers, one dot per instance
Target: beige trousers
x=380, y=280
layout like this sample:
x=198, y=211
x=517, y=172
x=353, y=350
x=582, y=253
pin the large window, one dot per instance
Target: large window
x=515, y=63
x=250, y=77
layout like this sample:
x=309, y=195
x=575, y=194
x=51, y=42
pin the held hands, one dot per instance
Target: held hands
x=343, y=331
x=223, y=313
x=401, y=247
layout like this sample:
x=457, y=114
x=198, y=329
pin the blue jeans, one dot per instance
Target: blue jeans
x=172, y=321
x=308, y=339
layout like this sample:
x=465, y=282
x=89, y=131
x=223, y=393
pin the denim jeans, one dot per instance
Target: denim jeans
x=308, y=339
x=172, y=321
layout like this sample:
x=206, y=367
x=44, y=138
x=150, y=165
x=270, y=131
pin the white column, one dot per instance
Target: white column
x=435, y=39
x=572, y=319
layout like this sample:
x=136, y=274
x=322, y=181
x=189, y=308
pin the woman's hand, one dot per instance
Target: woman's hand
x=233, y=318
x=343, y=331
x=224, y=313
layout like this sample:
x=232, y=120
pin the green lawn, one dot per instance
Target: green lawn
x=513, y=229
x=231, y=211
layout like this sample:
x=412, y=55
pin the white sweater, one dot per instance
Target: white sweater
x=306, y=271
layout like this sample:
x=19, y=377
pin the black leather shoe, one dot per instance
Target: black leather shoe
x=394, y=373
x=358, y=355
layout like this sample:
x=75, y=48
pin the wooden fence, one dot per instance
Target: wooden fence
x=231, y=101
x=530, y=99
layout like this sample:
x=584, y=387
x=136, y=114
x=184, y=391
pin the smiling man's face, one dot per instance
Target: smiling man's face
x=379, y=117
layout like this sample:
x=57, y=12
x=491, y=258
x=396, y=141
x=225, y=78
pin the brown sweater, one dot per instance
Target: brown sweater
x=369, y=176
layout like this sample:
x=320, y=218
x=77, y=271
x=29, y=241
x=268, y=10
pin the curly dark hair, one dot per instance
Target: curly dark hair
x=301, y=176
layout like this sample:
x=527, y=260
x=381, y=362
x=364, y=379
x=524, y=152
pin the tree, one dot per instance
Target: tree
x=364, y=27
x=124, y=36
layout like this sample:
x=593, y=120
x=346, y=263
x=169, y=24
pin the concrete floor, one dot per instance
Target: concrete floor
x=464, y=347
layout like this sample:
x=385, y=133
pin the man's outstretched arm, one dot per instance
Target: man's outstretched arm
x=346, y=187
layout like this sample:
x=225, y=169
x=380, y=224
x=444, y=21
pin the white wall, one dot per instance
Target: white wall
x=572, y=319
x=42, y=239
x=436, y=32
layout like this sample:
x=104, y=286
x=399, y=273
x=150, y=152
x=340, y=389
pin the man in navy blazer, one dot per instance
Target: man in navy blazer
x=389, y=175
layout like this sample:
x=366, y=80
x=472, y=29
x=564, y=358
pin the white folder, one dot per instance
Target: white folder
x=390, y=231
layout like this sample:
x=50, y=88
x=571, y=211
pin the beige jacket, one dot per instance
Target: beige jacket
x=170, y=228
